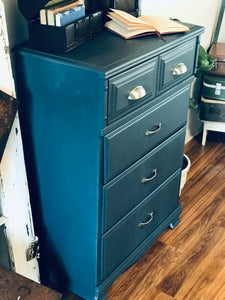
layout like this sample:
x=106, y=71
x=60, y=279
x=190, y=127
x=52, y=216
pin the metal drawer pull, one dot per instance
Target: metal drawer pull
x=149, y=179
x=137, y=93
x=149, y=132
x=146, y=223
x=180, y=69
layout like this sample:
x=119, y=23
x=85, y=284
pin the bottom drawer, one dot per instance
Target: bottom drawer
x=119, y=242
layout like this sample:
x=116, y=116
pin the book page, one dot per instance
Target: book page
x=126, y=33
x=163, y=25
x=122, y=15
x=132, y=26
x=54, y=2
x=64, y=6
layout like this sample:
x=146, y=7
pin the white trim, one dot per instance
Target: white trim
x=214, y=85
x=206, y=100
x=15, y=203
x=217, y=87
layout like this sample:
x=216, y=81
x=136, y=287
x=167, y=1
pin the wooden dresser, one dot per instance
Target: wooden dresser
x=103, y=129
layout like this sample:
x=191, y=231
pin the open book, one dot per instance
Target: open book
x=128, y=26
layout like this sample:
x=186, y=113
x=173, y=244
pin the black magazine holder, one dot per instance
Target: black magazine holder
x=59, y=39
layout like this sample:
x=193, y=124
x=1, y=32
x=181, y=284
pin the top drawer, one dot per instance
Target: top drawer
x=132, y=88
x=177, y=64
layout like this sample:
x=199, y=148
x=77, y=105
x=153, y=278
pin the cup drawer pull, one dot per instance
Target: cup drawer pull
x=137, y=93
x=149, y=132
x=146, y=223
x=179, y=69
x=149, y=179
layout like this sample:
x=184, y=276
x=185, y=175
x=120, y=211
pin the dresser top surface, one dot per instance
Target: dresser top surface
x=109, y=53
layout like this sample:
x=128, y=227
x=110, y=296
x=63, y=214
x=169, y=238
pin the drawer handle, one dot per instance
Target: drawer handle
x=137, y=93
x=146, y=223
x=149, y=132
x=180, y=69
x=149, y=179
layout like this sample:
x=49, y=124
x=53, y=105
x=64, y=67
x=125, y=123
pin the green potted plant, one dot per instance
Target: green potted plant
x=205, y=64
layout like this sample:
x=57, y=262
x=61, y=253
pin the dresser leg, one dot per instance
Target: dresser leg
x=204, y=136
x=102, y=297
x=174, y=223
x=101, y=293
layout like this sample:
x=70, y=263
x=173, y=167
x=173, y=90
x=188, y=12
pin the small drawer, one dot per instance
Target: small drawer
x=119, y=242
x=177, y=64
x=132, y=88
x=137, y=137
x=125, y=191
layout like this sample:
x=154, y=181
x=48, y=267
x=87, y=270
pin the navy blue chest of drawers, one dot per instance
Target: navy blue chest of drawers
x=103, y=131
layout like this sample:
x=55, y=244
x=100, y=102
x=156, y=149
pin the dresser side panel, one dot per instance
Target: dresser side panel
x=62, y=114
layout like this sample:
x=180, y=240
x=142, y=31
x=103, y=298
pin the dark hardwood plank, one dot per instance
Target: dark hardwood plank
x=194, y=255
x=139, y=282
x=216, y=289
x=198, y=281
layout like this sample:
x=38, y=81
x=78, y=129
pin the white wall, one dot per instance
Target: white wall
x=13, y=31
x=16, y=24
x=6, y=82
x=200, y=12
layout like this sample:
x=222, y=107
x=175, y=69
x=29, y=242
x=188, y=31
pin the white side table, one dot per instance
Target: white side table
x=213, y=126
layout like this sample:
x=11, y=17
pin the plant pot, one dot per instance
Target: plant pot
x=185, y=168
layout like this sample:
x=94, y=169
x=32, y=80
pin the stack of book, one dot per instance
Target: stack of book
x=60, y=13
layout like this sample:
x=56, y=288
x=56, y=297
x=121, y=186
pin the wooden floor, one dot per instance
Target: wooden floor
x=189, y=261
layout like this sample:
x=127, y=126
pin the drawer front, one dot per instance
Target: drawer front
x=177, y=64
x=132, y=88
x=137, y=137
x=119, y=242
x=128, y=189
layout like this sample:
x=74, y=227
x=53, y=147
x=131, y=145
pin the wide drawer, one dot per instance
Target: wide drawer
x=132, y=88
x=119, y=242
x=177, y=64
x=128, y=189
x=137, y=137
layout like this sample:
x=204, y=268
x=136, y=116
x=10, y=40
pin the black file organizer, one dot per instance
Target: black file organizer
x=59, y=39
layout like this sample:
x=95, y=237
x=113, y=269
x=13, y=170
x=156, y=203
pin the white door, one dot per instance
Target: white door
x=14, y=194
